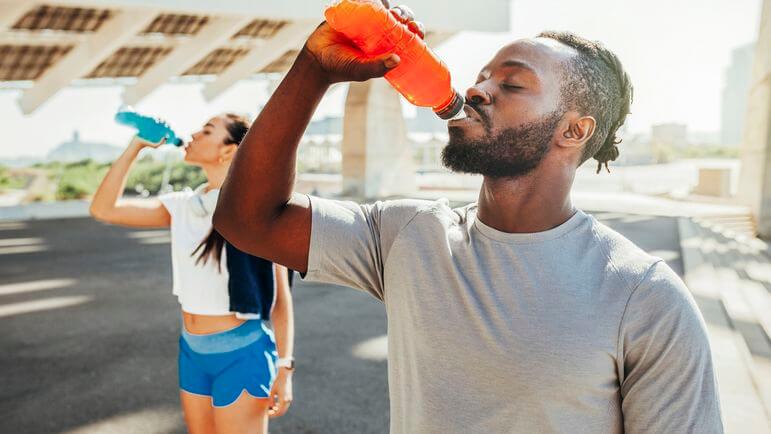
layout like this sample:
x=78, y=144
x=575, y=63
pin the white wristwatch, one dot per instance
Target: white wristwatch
x=285, y=362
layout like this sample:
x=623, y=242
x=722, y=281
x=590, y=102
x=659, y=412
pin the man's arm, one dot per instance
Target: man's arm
x=257, y=210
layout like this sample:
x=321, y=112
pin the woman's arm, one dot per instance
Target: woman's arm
x=283, y=327
x=107, y=205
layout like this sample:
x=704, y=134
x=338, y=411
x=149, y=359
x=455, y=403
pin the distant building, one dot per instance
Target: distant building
x=635, y=149
x=669, y=135
x=425, y=121
x=738, y=76
x=324, y=127
x=320, y=146
x=76, y=150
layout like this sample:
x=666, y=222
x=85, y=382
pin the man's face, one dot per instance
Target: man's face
x=513, y=111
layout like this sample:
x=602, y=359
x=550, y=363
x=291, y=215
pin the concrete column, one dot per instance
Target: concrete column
x=755, y=178
x=377, y=159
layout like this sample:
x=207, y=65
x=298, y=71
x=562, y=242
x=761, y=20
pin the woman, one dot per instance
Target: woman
x=233, y=374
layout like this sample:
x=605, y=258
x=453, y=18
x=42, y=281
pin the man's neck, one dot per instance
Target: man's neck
x=532, y=203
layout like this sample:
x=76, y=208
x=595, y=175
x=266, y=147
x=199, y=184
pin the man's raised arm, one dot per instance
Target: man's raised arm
x=257, y=210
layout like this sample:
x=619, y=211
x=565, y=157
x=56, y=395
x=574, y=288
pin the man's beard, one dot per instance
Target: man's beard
x=511, y=153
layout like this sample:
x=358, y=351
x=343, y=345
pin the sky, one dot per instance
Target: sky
x=675, y=51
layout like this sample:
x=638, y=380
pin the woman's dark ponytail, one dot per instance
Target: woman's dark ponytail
x=211, y=247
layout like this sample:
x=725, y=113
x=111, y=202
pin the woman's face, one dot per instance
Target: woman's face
x=208, y=144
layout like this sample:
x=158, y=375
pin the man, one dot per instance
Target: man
x=517, y=313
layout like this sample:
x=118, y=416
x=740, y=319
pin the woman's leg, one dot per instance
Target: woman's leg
x=247, y=415
x=199, y=413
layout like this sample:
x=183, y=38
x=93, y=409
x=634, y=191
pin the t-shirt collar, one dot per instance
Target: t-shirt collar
x=528, y=238
x=204, y=202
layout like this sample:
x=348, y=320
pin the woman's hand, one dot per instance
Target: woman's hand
x=281, y=393
x=140, y=143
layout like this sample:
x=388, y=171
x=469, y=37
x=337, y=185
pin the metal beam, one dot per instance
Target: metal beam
x=479, y=15
x=66, y=37
x=12, y=10
x=28, y=37
x=289, y=37
x=86, y=56
x=216, y=33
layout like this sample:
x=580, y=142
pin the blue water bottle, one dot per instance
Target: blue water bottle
x=148, y=128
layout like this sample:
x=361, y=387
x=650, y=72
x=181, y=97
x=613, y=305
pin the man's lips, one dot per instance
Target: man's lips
x=472, y=113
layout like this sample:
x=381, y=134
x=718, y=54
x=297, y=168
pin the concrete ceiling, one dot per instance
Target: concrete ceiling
x=45, y=46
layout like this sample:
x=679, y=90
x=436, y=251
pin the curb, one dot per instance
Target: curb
x=46, y=211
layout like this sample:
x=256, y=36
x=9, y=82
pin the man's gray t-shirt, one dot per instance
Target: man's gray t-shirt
x=571, y=330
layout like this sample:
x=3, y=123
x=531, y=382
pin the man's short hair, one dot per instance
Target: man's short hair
x=595, y=84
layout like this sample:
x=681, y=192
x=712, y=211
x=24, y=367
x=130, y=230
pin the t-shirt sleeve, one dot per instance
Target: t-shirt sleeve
x=668, y=381
x=350, y=242
x=173, y=201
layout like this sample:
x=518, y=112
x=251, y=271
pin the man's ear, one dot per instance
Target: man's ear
x=577, y=132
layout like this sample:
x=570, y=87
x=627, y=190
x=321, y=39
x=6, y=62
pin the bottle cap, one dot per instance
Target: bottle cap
x=453, y=108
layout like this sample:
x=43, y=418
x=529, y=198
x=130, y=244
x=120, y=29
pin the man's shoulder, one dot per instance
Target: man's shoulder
x=390, y=216
x=651, y=282
x=399, y=213
x=412, y=206
x=400, y=208
x=627, y=258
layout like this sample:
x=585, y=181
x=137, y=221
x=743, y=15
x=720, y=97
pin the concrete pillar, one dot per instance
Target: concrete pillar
x=755, y=178
x=377, y=159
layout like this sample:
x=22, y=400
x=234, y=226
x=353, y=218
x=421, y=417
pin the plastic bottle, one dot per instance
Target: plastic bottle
x=420, y=76
x=148, y=128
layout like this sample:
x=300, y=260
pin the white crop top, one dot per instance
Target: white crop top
x=201, y=289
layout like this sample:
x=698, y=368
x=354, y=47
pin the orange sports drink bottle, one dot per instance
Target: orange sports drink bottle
x=420, y=76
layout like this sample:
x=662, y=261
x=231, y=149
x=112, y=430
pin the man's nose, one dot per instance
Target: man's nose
x=477, y=96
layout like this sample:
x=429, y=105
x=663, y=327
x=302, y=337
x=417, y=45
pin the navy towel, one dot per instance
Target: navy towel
x=251, y=285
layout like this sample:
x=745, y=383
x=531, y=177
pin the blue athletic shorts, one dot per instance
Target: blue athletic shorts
x=223, y=365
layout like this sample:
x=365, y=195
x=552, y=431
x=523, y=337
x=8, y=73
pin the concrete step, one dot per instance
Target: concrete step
x=734, y=226
x=743, y=393
x=763, y=377
x=749, y=272
x=745, y=317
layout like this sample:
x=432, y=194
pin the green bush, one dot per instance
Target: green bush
x=9, y=181
x=79, y=180
x=711, y=152
x=666, y=153
x=5, y=177
x=146, y=177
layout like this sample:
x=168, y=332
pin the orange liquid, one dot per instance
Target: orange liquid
x=420, y=76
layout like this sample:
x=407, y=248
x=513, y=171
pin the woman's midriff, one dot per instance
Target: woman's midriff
x=205, y=324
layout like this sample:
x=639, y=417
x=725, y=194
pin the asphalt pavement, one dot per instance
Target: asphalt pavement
x=89, y=330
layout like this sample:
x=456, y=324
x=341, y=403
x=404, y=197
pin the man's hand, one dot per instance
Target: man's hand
x=339, y=59
x=281, y=393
